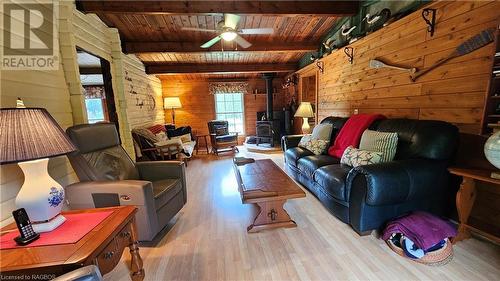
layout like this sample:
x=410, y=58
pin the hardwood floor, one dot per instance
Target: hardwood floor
x=209, y=241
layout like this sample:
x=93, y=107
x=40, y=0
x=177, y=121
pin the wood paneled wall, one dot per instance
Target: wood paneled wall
x=198, y=105
x=453, y=92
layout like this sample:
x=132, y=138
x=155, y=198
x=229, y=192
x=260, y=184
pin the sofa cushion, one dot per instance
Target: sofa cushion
x=293, y=155
x=316, y=146
x=226, y=138
x=384, y=142
x=332, y=178
x=171, y=133
x=309, y=164
x=164, y=190
x=358, y=157
x=322, y=132
x=337, y=124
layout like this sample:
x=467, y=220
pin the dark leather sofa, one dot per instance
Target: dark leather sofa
x=368, y=196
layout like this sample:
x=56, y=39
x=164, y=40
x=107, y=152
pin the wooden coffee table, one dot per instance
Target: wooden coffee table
x=263, y=183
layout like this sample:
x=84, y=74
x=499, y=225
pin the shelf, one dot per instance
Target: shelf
x=495, y=97
x=494, y=115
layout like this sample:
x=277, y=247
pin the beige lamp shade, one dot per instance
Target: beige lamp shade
x=172, y=102
x=305, y=110
x=30, y=134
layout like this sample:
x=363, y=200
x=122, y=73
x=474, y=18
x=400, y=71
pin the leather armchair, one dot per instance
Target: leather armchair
x=220, y=137
x=110, y=178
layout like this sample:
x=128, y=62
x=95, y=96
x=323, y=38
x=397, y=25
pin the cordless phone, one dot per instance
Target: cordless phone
x=25, y=228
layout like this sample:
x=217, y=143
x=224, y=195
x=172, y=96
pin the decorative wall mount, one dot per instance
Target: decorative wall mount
x=431, y=23
x=228, y=87
x=377, y=64
x=290, y=81
x=320, y=64
x=143, y=99
x=475, y=42
x=349, y=51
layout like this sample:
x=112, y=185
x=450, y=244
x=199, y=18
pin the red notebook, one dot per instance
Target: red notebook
x=71, y=231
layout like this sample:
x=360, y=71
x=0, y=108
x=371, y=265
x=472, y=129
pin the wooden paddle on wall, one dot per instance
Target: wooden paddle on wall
x=476, y=42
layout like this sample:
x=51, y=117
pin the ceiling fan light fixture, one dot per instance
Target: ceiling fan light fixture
x=228, y=35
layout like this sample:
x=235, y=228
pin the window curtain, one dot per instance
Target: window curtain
x=228, y=87
x=94, y=92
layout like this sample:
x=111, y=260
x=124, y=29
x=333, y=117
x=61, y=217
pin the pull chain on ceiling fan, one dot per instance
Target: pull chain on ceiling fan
x=227, y=30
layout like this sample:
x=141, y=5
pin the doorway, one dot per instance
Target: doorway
x=97, y=88
x=308, y=92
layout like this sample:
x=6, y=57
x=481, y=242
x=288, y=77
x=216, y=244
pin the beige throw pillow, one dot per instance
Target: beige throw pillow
x=384, y=142
x=322, y=132
x=184, y=138
x=357, y=157
x=315, y=146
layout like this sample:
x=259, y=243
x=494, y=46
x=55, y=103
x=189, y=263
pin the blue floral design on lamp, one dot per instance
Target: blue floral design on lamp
x=55, y=197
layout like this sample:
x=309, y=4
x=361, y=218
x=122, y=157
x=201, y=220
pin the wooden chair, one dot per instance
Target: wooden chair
x=151, y=152
x=220, y=137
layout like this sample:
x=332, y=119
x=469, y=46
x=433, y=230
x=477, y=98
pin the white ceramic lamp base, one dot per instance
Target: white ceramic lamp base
x=41, y=196
x=306, y=129
x=54, y=223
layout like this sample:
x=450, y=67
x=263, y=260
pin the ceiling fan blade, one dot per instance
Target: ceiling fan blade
x=231, y=20
x=211, y=42
x=198, y=29
x=242, y=42
x=257, y=31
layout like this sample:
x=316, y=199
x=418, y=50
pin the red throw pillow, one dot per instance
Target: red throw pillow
x=157, y=128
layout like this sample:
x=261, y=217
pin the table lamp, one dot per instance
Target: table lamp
x=305, y=111
x=29, y=136
x=172, y=103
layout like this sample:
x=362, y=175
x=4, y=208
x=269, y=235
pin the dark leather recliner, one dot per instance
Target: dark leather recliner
x=220, y=137
x=368, y=196
x=108, y=177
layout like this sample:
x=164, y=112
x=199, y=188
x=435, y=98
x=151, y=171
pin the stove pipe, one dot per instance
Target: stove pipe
x=268, y=77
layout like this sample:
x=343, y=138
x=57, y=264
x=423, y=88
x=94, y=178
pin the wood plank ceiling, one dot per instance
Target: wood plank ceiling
x=152, y=31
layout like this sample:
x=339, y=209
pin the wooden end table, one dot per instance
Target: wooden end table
x=102, y=246
x=263, y=183
x=466, y=196
x=198, y=137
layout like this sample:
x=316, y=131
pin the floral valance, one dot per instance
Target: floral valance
x=228, y=87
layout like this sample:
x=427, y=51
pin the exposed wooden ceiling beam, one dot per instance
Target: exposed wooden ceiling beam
x=218, y=68
x=189, y=47
x=90, y=70
x=283, y=8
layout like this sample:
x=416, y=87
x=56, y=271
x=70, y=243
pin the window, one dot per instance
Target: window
x=95, y=110
x=230, y=107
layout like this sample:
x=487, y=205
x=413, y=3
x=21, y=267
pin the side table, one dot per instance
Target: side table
x=466, y=196
x=102, y=246
x=198, y=137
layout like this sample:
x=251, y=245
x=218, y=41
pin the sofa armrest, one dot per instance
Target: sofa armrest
x=290, y=141
x=397, y=181
x=130, y=192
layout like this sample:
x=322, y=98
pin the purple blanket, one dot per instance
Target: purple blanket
x=424, y=229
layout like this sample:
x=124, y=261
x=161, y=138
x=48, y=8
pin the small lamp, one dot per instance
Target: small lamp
x=29, y=136
x=305, y=111
x=172, y=103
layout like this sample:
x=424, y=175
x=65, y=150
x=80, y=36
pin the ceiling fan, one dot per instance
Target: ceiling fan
x=228, y=31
